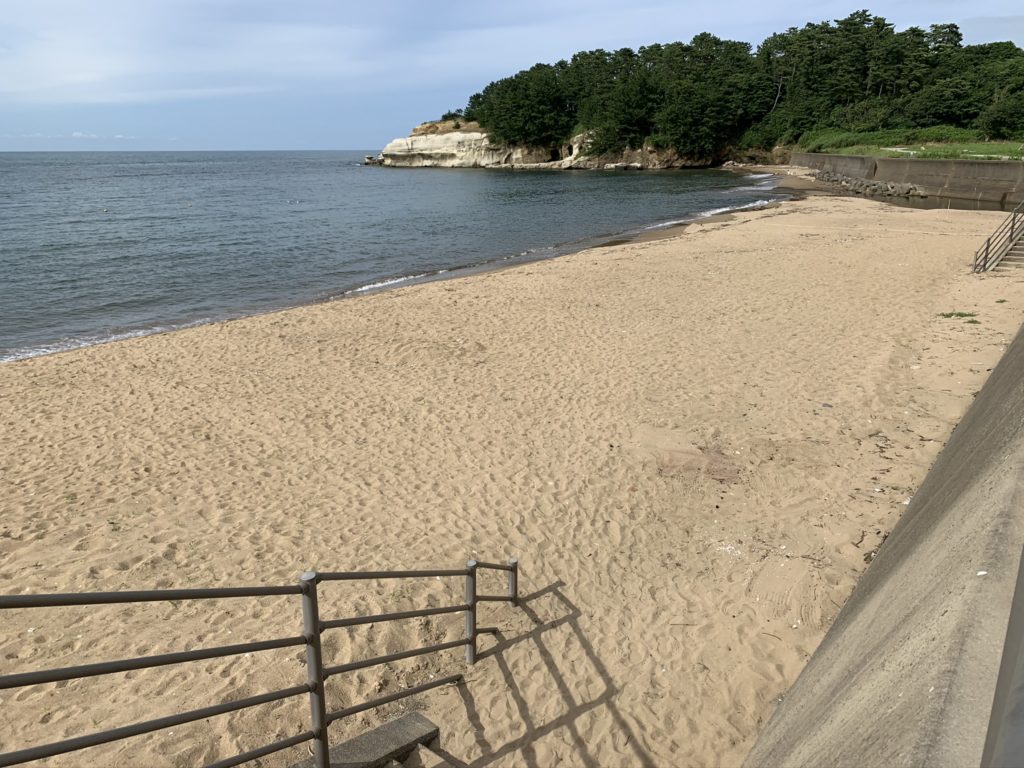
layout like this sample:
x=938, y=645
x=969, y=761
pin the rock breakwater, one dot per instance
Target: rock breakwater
x=870, y=187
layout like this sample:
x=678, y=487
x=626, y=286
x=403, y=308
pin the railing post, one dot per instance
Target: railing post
x=314, y=669
x=987, y=243
x=513, y=581
x=471, y=612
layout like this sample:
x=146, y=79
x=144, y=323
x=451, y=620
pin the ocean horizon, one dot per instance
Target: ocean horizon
x=100, y=246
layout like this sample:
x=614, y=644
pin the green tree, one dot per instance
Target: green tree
x=852, y=74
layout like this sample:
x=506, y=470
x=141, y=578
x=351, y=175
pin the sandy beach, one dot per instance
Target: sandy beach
x=693, y=445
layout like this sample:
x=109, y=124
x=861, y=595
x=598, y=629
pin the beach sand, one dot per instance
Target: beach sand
x=693, y=445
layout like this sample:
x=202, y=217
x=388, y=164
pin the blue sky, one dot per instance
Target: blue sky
x=330, y=74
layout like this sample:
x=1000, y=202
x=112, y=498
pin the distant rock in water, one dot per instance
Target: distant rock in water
x=451, y=144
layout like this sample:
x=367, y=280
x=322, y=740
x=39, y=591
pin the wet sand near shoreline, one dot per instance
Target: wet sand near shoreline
x=693, y=445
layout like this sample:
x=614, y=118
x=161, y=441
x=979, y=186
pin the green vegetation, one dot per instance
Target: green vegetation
x=957, y=314
x=936, y=143
x=828, y=86
x=990, y=150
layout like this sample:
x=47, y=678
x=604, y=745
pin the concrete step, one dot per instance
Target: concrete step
x=392, y=742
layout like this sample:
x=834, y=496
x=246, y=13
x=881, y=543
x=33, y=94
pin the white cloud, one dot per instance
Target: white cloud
x=218, y=72
x=125, y=52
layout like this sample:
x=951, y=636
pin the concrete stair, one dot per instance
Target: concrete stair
x=1013, y=260
x=411, y=741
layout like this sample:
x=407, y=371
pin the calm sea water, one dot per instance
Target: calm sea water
x=99, y=246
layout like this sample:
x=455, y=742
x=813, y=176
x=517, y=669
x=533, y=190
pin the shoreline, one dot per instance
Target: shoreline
x=385, y=283
x=692, y=444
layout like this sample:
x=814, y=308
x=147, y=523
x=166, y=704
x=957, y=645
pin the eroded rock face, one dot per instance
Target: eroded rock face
x=457, y=149
x=453, y=145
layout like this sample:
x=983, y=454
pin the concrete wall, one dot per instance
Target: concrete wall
x=906, y=675
x=993, y=182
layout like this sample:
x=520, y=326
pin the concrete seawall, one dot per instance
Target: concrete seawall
x=987, y=183
x=907, y=673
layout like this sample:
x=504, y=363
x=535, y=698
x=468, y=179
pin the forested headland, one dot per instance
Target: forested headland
x=816, y=86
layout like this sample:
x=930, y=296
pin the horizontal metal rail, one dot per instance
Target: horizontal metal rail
x=125, y=732
x=317, y=673
x=143, y=662
x=148, y=596
x=356, y=709
x=369, y=575
x=256, y=754
x=356, y=621
x=378, y=660
x=496, y=566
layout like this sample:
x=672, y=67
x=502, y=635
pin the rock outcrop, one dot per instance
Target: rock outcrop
x=450, y=144
x=437, y=145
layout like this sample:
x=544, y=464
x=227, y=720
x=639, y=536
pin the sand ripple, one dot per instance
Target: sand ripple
x=691, y=444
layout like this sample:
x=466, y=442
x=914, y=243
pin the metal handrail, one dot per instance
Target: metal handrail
x=352, y=666
x=138, y=729
x=144, y=662
x=256, y=754
x=148, y=596
x=357, y=708
x=354, y=622
x=373, y=575
x=999, y=243
x=316, y=671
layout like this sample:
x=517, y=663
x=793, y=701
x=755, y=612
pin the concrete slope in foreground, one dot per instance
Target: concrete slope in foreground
x=906, y=675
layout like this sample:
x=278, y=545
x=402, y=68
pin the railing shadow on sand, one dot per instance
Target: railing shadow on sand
x=574, y=709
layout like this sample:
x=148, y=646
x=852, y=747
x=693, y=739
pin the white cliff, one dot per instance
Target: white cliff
x=455, y=149
x=453, y=145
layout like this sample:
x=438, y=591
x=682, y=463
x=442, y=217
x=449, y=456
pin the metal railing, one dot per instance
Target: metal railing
x=316, y=672
x=1000, y=242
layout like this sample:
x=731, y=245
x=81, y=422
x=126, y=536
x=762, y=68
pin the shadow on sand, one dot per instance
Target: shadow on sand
x=573, y=709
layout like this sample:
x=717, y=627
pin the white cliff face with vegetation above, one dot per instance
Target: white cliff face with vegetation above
x=451, y=144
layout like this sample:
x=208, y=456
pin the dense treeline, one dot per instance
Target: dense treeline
x=702, y=97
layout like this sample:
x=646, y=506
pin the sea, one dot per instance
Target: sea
x=98, y=246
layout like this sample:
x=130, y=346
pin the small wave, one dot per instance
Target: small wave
x=706, y=214
x=386, y=283
x=759, y=176
x=66, y=345
x=734, y=208
x=664, y=224
x=529, y=252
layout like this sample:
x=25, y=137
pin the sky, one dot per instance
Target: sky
x=337, y=74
